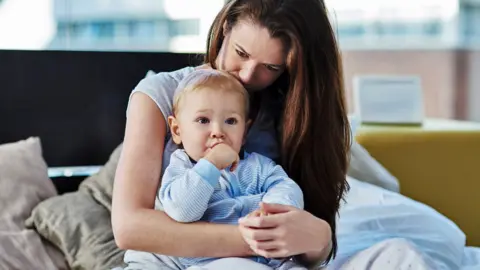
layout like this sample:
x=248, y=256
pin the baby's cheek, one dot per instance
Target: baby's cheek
x=237, y=146
x=239, y=141
x=194, y=150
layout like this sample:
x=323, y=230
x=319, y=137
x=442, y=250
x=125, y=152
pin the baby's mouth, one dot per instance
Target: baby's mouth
x=214, y=144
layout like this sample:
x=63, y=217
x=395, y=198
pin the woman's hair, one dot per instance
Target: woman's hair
x=315, y=133
x=210, y=79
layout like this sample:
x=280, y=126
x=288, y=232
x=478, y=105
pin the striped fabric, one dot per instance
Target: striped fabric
x=199, y=191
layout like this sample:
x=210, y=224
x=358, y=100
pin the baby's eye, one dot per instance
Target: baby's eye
x=203, y=120
x=231, y=121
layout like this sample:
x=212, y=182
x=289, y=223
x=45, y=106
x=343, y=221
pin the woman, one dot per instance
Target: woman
x=285, y=54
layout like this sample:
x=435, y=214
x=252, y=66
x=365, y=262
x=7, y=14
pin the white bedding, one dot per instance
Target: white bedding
x=471, y=258
x=372, y=215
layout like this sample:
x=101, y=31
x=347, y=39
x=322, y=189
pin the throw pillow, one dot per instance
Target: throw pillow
x=100, y=185
x=81, y=228
x=24, y=183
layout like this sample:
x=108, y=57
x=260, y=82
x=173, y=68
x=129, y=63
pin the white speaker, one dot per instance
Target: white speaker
x=388, y=99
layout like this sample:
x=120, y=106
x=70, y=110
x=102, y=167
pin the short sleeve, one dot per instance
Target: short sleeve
x=161, y=88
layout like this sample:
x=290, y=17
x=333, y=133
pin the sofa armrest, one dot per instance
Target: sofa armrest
x=437, y=164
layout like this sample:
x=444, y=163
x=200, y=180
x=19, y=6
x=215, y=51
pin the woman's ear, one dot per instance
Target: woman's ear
x=174, y=129
x=224, y=29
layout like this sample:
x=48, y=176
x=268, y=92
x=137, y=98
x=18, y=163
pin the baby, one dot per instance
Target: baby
x=209, y=177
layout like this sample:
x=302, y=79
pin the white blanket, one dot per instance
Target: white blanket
x=372, y=215
x=471, y=258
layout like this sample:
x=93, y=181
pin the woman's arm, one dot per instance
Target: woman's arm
x=287, y=232
x=314, y=259
x=135, y=224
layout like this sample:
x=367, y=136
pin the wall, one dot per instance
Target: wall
x=474, y=85
x=451, y=89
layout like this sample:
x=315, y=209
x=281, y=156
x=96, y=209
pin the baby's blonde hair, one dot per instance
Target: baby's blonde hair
x=210, y=79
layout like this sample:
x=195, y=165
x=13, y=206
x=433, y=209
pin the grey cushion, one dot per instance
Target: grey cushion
x=100, y=185
x=79, y=226
x=79, y=223
x=24, y=183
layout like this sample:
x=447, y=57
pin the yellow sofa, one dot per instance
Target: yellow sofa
x=437, y=164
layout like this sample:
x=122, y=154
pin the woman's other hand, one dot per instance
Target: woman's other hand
x=285, y=232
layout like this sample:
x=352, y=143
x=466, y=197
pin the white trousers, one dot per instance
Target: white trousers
x=243, y=264
x=394, y=254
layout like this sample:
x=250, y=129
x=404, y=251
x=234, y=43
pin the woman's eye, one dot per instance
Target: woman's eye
x=271, y=68
x=203, y=120
x=241, y=54
x=231, y=121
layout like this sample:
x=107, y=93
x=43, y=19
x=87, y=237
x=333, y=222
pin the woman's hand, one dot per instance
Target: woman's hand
x=287, y=231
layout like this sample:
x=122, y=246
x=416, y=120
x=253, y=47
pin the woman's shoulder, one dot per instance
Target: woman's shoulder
x=161, y=87
x=163, y=80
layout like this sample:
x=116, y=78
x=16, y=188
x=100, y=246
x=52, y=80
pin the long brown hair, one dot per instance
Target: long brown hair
x=315, y=134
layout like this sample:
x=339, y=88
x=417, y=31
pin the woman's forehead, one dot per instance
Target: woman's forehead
x=256, y=41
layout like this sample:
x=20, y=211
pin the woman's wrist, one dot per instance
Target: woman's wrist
x=314, y=258
x=323, y=247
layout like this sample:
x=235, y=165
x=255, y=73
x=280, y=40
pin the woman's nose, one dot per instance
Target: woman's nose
x=247, y=73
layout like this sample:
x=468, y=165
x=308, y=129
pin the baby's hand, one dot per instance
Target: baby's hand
x=258, y=213
x=222, y=156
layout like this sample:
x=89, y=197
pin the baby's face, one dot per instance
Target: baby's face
x=208, y=117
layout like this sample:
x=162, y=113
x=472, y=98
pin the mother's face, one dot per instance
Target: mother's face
x=251, y=55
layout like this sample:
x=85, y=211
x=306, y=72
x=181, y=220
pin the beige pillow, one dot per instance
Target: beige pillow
x=81, y=228
x=24, y=183
x=100, y=185
x=79, y=223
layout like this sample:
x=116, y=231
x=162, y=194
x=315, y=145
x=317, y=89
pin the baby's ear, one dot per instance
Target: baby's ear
x=174, y=129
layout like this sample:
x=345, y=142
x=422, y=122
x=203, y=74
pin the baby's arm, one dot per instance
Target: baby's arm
x=185, y=192
x=229, y=210
x=278, y=187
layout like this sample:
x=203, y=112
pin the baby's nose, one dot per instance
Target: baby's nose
x=217, y=132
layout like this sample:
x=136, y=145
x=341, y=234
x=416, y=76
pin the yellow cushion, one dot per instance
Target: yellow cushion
x=437, y=164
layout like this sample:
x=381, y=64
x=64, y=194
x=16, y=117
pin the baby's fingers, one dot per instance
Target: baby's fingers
x=234, y=165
